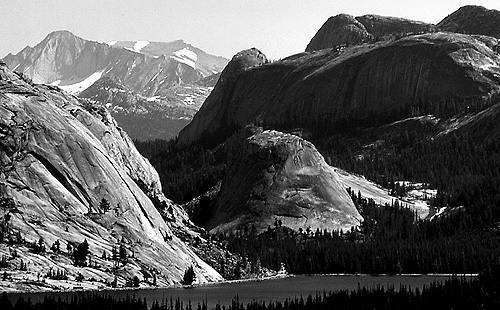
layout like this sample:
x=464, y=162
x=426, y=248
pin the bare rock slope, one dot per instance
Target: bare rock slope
x=344, y=29
x=437, y=73
x=277, y=176
x=473, y=19
x=59, y=158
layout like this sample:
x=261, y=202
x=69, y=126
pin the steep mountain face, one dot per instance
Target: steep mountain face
x=345, y=29
x=333, y=90
x=59, y=158
x=277, y=176
x=473, y=19
x=214, y=112
x=165, y=73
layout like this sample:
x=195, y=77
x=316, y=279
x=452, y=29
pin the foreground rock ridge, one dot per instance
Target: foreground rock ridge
x=281, y=177
x=330, y=90
x=59, y=158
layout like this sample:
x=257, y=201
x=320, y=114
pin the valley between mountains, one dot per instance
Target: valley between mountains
x=147, y=164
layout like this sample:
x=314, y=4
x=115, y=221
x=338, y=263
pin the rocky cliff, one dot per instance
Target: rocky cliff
x=473, y=19
x=334, y=90
x=59, y=158
x=344, y=29
x=277, y=176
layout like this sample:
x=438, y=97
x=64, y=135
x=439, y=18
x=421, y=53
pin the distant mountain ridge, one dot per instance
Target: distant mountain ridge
x=64, y=59
x=178, y=50
x=165, y=80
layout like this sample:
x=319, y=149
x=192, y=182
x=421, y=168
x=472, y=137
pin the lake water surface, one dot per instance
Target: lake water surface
x=265, y=290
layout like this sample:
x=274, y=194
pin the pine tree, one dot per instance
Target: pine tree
x=189, y=276
x=80, y=254
x=104, y=205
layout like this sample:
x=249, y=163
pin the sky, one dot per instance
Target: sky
x=222, y=27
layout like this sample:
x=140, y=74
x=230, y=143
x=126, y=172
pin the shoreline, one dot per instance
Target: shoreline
x=224, y=282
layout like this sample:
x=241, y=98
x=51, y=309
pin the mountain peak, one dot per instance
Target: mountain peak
x=473, y=19
x=59, y=34
x=337, y=30
x=249, y=58
x=344, y=29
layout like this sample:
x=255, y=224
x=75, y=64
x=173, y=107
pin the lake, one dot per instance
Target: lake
x=265, y=290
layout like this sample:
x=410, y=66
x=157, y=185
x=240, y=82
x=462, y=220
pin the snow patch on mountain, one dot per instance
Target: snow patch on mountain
x=417, y=199
x=111, y=43
x=82, y=85
x=186, y=57
x=139, y=45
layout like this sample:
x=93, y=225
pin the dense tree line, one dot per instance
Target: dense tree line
x=184, y=173
x=455, y=293
x=464, y=167
x=391, y=240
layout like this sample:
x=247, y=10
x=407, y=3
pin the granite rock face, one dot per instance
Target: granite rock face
x=438, y=73
x=214, y=110
x=338, y=30
x=344, y=29
x=60, y=157
x=473, y=19
x=277, y=176
x=380, y=26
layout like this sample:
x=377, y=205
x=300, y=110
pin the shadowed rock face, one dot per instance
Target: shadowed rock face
x=213, y=109
x=380, y=26
x=339, y=30
x=345, y=29
x=473, y=19
x=327, y=91
x=281, y=176
x=59, y=158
